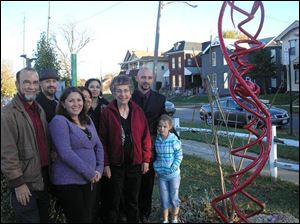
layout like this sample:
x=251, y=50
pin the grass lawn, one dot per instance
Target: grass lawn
x=286, y=152
x=200, y=184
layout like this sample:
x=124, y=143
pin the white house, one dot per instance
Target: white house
x=290, y=54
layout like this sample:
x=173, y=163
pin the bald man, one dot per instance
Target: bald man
x=153, y=105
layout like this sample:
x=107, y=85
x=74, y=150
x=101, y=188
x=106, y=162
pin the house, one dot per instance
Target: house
x=134, y=60
x=289, y=38
x=215, y=68
x=184, y=71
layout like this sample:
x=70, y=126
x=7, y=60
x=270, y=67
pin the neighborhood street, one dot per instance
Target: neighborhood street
x=189, y=113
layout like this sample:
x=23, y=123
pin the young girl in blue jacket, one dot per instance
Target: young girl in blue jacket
x=166, y=165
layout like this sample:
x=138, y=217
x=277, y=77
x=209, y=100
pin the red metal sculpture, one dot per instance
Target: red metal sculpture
x=248, y=91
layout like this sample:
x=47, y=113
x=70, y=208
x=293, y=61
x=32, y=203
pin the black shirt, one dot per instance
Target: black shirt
x=49, y=106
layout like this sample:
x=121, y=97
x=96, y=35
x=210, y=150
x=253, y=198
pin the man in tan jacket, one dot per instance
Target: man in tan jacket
x=24, y=150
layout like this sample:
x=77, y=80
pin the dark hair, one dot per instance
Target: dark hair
x=87, y=83
x=22, y=70
x=83, y=88
x=121, y=80
x=83, y=117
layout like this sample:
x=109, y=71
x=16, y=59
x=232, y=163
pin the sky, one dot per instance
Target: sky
x=115, y=27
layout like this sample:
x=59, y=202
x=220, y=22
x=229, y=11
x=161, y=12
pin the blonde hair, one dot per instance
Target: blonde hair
x=167, y=119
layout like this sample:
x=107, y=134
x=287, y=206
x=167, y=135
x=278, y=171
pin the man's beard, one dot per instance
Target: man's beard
x=28, y=98
x=146, y=87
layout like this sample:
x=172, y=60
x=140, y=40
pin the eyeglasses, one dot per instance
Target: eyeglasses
x=27, y=83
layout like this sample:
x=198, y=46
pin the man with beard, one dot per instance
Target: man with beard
x=24, y=150
x=153, y=105
x=46, y=98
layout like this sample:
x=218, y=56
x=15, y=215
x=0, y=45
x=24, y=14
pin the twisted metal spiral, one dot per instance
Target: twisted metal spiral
x=248, y=91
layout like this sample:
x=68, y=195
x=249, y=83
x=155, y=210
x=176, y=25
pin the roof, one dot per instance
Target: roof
x=184, y=46
x=229, y=43
x=294, y=25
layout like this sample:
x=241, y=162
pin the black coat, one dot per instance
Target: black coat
x=153, y=108
x=49, y=106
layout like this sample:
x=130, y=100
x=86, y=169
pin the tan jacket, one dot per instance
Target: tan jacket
x=20, y=159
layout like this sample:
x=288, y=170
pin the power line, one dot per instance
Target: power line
x=98, y=13
x=278, y=20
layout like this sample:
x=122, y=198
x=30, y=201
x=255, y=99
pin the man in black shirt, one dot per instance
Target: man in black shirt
x=153, y=105
x=46, y=98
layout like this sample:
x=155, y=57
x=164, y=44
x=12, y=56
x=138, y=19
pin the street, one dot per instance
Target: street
x=192, y=115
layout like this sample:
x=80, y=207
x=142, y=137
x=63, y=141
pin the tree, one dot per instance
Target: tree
x=8, y=87
x=75, y=41
x=264, y=69
x=233, y=34
x=46, y=55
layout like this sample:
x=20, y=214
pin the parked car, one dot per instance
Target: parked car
x=170, y=108
x=236, y=115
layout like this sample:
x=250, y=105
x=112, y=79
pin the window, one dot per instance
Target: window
x=273, y=55
x=226, y=80
x=173, y=81
x=273, y=83
x=296, y=76
x=179, y=81
x=292, y=48
x=162, y=67
x=214, y=59
x=189, y=62
x=179, y=62
x=173, y=63
x=224, y=61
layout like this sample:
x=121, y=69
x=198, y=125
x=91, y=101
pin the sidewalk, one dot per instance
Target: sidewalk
x=205, y=151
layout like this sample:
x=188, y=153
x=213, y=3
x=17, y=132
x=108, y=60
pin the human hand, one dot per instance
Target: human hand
x=23, y=194
x=96, y=178
x=107, y=172
x=145, y=167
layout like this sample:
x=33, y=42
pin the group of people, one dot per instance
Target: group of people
x=98, y=158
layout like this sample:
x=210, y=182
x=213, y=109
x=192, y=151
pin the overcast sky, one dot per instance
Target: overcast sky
x=115, y=27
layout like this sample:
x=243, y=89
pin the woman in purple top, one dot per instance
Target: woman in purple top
x=79, y=161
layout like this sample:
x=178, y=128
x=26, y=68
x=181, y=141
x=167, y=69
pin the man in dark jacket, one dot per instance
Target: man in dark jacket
x=153, y=105
x=25, y=152
x=46, y=98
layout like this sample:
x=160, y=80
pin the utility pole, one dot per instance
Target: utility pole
x=160, y=5
x=290, y=84
x=155, y=60
x=48, y=21
x=24, y=39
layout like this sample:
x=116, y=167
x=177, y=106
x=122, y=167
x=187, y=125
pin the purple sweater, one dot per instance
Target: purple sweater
x=77, y=157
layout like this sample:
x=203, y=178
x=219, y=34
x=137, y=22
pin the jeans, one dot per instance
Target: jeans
x=169, y=192
x=36, y=211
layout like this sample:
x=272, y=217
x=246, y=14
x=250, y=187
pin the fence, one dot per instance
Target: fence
x=273, y=163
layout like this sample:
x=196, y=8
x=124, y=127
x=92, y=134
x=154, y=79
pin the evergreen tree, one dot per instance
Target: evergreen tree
x=264, y=69
x=46, y=55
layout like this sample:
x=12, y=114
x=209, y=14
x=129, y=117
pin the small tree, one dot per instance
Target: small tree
x=233, y=34
x=46, y=55
x=74, y=41
x=8, y=87
x=264, y=68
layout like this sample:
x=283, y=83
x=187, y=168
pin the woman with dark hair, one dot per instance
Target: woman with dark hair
x=88, y=99
x=126, y=141
x=79, y=161
x=94, y=85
